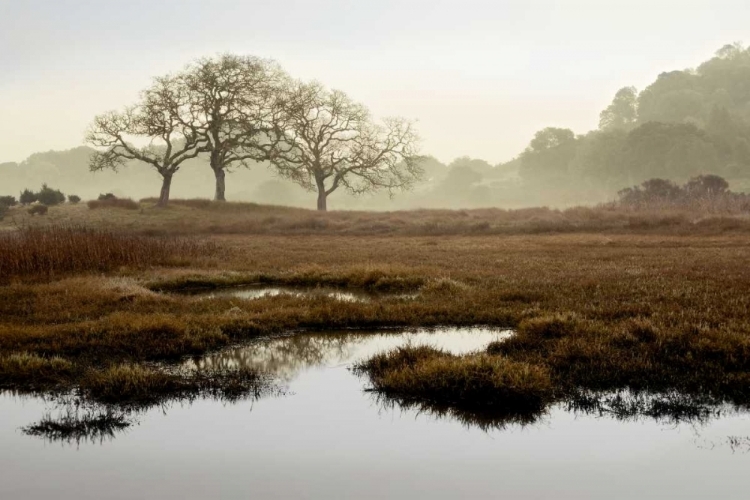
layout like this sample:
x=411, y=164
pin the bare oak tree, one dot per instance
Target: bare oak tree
x=234, y=103
x=327, y=141
x=162, y=117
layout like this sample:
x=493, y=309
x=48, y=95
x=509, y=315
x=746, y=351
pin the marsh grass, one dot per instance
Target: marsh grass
x=55, y=250
x=139, y=386
x=607, y=311
x=635, y=354
x=471, y=382
x=197, y=216
x=33, y=372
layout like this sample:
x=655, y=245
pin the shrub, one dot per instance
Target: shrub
x=38, y=210
x=48, y=196
x=74, y=199
x=108, y=196
x=125, y=203
x=3, y=211
x=8, y=201
x=27, y=197
x=706, y=185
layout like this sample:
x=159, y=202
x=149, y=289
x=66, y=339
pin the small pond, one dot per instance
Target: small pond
x=327, y=437
x=251, y=292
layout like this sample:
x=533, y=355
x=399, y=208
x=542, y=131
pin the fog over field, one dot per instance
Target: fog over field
x=516, y=103
x=374, y=249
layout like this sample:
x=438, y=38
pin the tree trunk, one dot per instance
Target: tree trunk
x=165, y=187
x=322, y=197
x=220, y=185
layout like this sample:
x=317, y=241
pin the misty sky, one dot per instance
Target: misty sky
x=480, y=76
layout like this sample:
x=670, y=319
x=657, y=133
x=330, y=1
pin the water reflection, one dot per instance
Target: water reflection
x=305, y=360
x=286, y=357
x=75, y=425
x=329, y=438
x=252, y=292
x=667, y=407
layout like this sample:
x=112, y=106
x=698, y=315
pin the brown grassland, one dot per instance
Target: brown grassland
x=602, y=299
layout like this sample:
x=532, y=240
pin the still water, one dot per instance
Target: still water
x=327, y=438
x=251, y=292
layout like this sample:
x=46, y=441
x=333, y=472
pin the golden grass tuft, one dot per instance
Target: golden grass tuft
x=478, y=381
x=32, y=371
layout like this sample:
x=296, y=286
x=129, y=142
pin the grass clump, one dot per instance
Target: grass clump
x=31, y=371
x=138, y=385
x=477, y=381
x=129, y=384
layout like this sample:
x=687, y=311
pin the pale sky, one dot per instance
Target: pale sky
x=479, y=76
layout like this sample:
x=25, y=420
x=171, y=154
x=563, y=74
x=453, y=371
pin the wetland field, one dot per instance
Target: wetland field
x=285, y=353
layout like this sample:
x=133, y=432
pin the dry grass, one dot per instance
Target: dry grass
x=58, y=250
x=121, y=203
x=34, y=372
x=208, y=217
x=472, y=382
x=652, y=311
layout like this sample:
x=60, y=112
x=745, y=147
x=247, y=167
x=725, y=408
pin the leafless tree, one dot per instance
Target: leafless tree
x=162, y=117
x=234, y=103
x=328, y=141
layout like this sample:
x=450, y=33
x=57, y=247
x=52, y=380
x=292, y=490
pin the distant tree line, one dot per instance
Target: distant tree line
x=686, y=123
x=225, y=114
x=698, y=190
x=236, y=110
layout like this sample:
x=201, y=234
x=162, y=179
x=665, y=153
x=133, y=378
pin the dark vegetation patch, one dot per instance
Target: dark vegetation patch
x=112, y=201
x=38, y=210
x=362, y=278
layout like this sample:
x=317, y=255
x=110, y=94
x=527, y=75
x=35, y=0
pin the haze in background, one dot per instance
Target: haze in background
x=480, y=76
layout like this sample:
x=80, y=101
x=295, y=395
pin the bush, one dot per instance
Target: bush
x=108, y=196
x=3, y=211
x=27, y=197
x=125, y=203
x=48, y=196
x=73, y=199
x=38, y=210
x=8, y=201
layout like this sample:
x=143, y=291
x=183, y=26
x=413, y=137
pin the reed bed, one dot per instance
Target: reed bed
x=54, y=250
